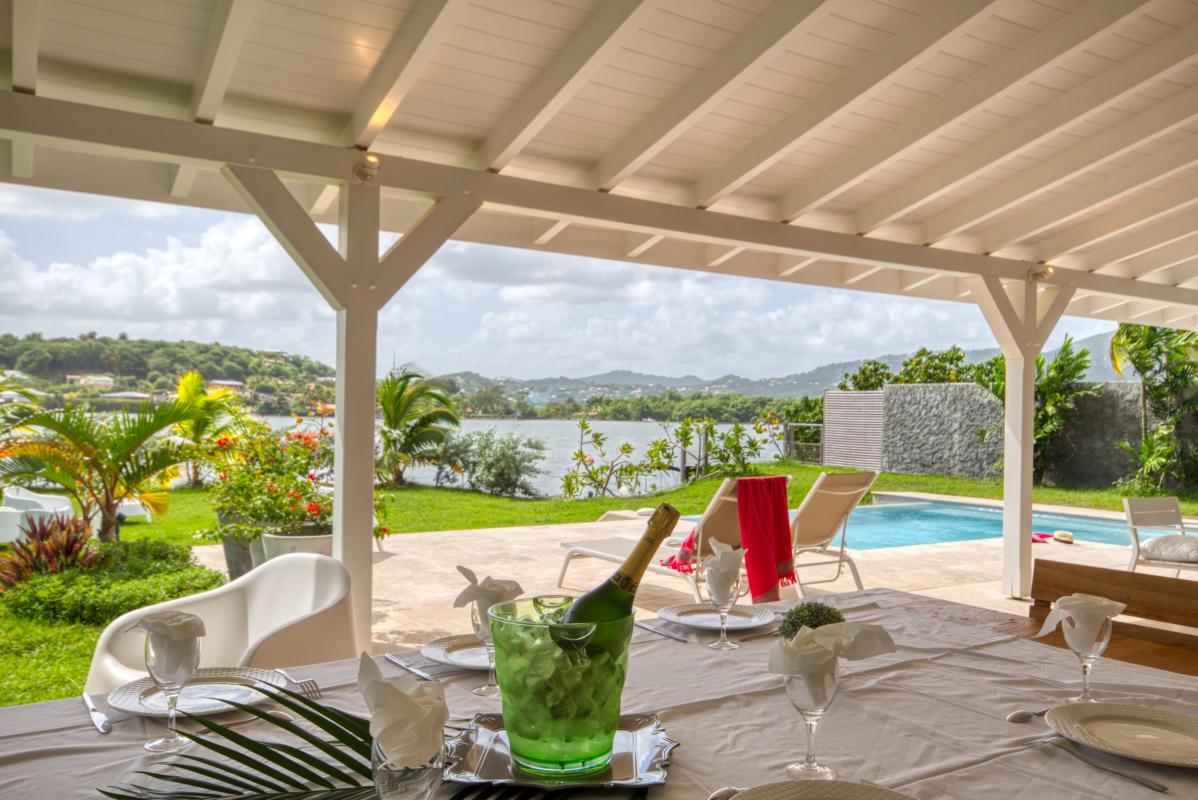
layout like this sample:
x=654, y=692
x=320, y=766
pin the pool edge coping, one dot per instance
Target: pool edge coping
x=1044, y=508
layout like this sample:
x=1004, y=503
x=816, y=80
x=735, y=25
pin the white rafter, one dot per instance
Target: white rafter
x=1178, y=197
x=550, y=233
x=1090, y=154
x=911, y=282
x=856, y=273
x=888, y=64
x=1111, y=186
x=1157, y=260
x=1058, y=43
x=25, y=40
x=598, y=42
x=1142, y=239
x=788, y=265
x=747, y=54
x=1109, y=86
x=1146, y=66
x=642, y=244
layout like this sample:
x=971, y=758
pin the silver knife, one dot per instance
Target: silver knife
x=1068, y=747
x=668, y=634
x=419, y=673
x=99, y=718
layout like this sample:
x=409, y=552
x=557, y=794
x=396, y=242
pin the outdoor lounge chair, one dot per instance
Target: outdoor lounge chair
x=1177, y=551
x=292, y=610
x=824, y=513
x=14, y=521
x=20, y=497
x=719, y=521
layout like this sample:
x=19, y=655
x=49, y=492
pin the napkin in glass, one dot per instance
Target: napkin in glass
x=721, y=570
x=174, y=637
x=407, y=716
x=814, y=653
x=486, y=592
x=1087, y=612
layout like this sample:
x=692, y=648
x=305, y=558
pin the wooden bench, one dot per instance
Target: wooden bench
x=1172, y=646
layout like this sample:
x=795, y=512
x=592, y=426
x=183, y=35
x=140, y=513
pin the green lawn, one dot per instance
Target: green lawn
x=42, y=660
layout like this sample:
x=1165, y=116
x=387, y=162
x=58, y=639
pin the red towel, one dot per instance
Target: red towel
x=764, y=517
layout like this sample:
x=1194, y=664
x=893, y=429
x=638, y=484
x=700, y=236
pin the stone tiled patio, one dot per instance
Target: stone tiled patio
x=415, y=580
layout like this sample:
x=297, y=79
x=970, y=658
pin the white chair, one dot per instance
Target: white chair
x=14, y=521
x=134, y=508
x=824, y=513
x=20, y=497
x=1176, y=551
x=292, y=610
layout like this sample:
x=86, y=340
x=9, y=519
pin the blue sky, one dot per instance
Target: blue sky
x=71, y=263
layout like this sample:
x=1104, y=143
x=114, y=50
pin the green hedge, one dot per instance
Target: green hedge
x=130, y=575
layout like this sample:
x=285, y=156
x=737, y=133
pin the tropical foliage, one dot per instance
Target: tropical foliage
x=417, y=416
x=48, y=545
x=330, y=760
x=215, y=412
x=870, y=376
x=487, y=462
x=100, y=461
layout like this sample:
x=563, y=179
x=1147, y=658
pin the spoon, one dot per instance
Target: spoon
x=1026, y=716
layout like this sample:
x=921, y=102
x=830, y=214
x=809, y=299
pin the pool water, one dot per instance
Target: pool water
x=899, y=524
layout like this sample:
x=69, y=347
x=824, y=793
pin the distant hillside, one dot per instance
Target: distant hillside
x=626, y=383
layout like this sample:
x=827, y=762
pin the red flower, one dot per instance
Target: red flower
x=271, y=488
x=315, y=508
x=384, y=530
x=311, y=476
x=224, y=476
x=222, y=441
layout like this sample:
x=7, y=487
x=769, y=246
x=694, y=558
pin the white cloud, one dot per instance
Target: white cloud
x=32, y=202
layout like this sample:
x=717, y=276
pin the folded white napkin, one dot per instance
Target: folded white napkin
x=721, y=570
x=176, y=625
x=175, y=639
x=1087, y=612
x=487, y=592
x=814, y=650
x=407, y=716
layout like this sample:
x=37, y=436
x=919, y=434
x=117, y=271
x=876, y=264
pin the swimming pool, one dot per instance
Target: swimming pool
x=900, y=523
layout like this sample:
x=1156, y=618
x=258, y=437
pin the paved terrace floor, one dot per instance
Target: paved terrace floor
x=415, y=581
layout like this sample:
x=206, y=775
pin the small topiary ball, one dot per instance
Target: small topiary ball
x=813, y=615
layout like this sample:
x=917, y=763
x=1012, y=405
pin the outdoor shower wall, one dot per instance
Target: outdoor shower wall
x=956, y=429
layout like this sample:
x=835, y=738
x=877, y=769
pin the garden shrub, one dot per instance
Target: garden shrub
x=128, y=575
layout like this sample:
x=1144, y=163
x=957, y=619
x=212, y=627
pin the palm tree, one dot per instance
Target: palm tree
x=417, y=417
x=1164, y=360
x=12, y=412
x=216, y=412
x=101, y=461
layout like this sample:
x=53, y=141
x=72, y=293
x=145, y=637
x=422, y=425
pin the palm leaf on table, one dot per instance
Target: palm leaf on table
x=335, y=765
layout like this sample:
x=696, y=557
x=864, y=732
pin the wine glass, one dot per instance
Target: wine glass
x=482, y=629
x=723, y=587
x=811, y=694
x=1087, y=650
x=172, y=662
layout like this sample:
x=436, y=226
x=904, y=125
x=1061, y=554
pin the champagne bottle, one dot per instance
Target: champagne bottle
x=612, y=599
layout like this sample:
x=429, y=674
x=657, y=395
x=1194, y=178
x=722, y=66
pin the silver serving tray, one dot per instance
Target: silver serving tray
x=640, y=755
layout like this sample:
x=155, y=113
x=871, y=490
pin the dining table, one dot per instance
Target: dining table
x=928, y=720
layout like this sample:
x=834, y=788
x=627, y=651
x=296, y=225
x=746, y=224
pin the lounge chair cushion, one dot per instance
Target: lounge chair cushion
x=1182, y=549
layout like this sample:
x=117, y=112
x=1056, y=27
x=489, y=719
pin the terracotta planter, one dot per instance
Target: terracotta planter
x=281, y=545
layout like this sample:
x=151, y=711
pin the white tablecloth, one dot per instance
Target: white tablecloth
x=927, y=720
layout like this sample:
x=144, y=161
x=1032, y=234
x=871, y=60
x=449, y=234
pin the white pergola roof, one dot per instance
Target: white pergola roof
x=911, y=145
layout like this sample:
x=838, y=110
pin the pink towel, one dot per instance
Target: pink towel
x=763, y=513
x=684, y=560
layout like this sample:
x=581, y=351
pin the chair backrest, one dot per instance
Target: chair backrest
x=20, y=497
x=10, y=524
x=20, y=503
x=720, y=521
x=824, y=510
x=1151, y=512
x=1153, y=597
x=286, y=588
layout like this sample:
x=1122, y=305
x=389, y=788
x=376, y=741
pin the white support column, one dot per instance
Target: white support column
x=356, y=283
x=1021, y=314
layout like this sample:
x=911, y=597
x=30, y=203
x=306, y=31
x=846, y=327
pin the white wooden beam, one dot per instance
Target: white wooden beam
x=718, y=255
x=74, y=125
x=1179, y=273
x=1090, y=154
x=790, y=266
x=614, y=21
x=856, y=273
x=419, y=244
x=1058, y=43
x=183, y=177
x=25, y=25
x=1143, y=239
x=230, y=23
x=748, y=53
x=550, y=233
x=1147, y=311
x=642, y=243
x=888, y=64
x=1110, y=187
x=423, y=29
x=1150, y=208
x=912, y=281
x=1156, y=260
x=267, y=197
x=1103, y=305
x=22, y=156
x=1118, y=82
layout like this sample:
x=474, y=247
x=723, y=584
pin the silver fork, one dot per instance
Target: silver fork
x=308, y=688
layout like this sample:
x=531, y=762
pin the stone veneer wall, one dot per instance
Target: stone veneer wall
x=942, y=429
x=956, y=429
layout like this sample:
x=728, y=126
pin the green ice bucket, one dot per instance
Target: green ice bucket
x=560, y=684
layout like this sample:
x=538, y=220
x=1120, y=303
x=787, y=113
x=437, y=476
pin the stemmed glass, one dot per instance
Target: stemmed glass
x=1087, y=650
x=811, y=694
x=171, y=662
x=722, y=590
x=482, y=629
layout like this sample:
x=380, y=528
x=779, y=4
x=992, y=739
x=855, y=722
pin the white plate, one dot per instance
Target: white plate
x=203, y=695
x=819, y=790
x=705, y=617
x=1145, y=734
x=464, y=651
